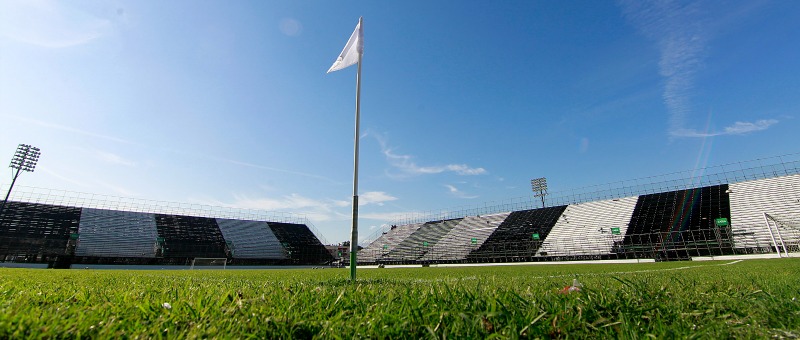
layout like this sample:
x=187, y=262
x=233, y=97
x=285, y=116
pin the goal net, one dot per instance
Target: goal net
x=208, y=263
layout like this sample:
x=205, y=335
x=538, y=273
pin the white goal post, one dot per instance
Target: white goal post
x=209, y=263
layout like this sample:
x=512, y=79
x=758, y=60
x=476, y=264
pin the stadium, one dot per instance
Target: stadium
x=83, y=230
x=228, y=108
x=744, y=208
x=749, y=208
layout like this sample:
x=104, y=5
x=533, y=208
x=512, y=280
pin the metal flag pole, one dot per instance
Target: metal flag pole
x=354, y=230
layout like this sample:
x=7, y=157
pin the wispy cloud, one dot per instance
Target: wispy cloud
x=62, y=177
x=286, y=203
x=113, y=158
x=263, y=167
x=317, y=210
x=407, y=166
x=738, y=128
x=584, y=145
x=374, y=197
x=314, y=209
x=51, y=24
x=682, y=31
x=458, y=193
x=70, y=129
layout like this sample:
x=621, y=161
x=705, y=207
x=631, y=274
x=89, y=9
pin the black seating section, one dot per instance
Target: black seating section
x=33, y=232
x=513, y=240
x=679, y=224
x=421, y=241
x=190, y=237
x=302, y=246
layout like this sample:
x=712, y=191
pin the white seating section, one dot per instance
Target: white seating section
x=251, y=239
x=457, y=243
x=777, y=196
x=414, y=246
x=585, y=228
x=109, y=233
x=387, y=242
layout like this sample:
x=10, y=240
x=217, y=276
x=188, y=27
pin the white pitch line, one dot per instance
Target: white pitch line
x=593, y=274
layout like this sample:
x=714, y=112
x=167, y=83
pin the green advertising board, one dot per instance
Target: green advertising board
x=474, y=240
x=721, y=222
x=385, y=246
x=424, y=243
x=535, y=236
x=615, y=231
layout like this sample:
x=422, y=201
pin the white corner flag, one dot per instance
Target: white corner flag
x=351, y=55
x=351, y=51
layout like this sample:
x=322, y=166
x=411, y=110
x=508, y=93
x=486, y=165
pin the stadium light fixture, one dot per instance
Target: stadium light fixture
x=24, y=160
x=539, y=187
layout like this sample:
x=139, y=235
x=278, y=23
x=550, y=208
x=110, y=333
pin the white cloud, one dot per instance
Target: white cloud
x=458, y=193
x=337, y=212
x=314, y=209
x=374, y=197
x=405, y=163
x=290, y=202
x=682, y=32
x=738, y=128
x=340, y=203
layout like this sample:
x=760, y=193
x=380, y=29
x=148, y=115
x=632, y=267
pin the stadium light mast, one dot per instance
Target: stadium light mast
x=539, y=187
x=24, y=160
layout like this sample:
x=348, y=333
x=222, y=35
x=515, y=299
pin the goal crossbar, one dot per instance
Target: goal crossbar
x=209, y=263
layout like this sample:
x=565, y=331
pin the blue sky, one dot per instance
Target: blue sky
x=463, y=102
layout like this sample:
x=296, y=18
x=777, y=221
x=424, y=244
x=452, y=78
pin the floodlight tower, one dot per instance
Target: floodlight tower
x=539, y=187
x=24, y=160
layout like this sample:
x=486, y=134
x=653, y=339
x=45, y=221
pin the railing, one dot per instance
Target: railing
x=109, y=202
x=661, y=246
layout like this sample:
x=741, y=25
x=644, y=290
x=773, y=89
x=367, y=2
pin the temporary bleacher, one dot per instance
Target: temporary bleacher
x=749, y=201
x=302, y=246
x=32, y=230
x=190, y=237
x=591, y=228
x=466, y=236
x=110, y=233
x=421, y=241
x=251, y=239
x=788, y=230
x=520, y=235
x=384, y=244
x=679, y=224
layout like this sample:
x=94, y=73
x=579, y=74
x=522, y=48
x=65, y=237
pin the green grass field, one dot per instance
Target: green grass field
x=721, y=299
